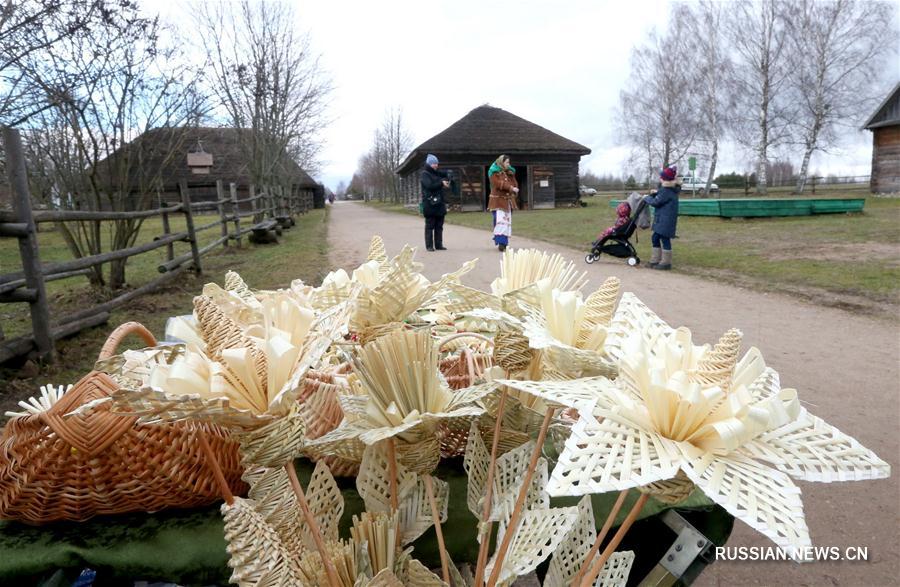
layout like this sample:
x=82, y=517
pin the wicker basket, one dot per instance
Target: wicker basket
x=73, y=468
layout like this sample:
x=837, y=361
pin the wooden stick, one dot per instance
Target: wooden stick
x=392, y=472
x=500, y=555
x=436, y=516
x=489, y=493
x=589, y=579
x=213, y=463
x=585, y=565
x=392, y=477
x=312, y=525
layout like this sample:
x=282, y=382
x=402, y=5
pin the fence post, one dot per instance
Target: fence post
x=813, y=182
x=236, y=212
x=253, y=203
x=28, y=245
x=189, y=220
x=220, y=205
x=746, y=185
x=170, y=248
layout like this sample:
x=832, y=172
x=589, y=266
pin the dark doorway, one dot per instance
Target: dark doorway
x=522, y=180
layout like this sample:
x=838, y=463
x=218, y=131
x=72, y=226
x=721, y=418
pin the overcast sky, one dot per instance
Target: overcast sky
x=558, y=64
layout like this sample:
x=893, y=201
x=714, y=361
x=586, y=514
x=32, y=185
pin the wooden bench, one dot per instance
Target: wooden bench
x=285, y=221
x=265, y=232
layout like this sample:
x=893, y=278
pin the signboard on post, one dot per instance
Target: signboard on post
x=692, y=165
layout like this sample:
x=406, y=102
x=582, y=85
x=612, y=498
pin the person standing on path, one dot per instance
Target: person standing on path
x=665, y=218
x=502, y=201
x=434, y=208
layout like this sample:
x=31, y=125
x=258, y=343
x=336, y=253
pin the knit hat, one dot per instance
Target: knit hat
x=431, y=160
x=669, y=173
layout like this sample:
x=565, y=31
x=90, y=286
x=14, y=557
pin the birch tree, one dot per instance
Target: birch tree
x=714, y=70
x=757, y=31
x=657, y=111
x=837, y=54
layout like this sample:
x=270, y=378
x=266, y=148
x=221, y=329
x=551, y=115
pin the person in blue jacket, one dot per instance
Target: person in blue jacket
x=434, y=207
x=665, y=218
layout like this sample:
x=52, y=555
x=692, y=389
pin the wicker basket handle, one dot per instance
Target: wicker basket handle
x=119, y=334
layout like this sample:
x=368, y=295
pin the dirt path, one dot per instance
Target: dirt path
x=845, y=367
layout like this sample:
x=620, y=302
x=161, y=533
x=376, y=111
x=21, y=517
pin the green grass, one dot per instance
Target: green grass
x=856, y=256
x=302, y=253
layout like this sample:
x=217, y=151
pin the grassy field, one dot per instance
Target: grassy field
x=848, y=260
x=301, y=253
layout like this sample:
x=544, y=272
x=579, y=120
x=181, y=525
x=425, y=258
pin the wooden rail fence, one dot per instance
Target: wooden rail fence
x=270, y=209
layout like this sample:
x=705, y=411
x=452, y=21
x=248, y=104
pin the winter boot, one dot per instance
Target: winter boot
x=666, y=262
x=654, y=257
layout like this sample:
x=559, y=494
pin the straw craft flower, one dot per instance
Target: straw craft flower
x=516, y=288
x=523, y=267
x=399, y=292
x=250, y=369
x=405, y=396
x=739, y=439
x=573, y=331
x=338, y=285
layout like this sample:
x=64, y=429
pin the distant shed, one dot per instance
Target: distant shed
x=885, y=127
x=546, y=163
x=159, y=160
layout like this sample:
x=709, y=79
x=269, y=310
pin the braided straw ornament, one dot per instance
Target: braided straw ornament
x=512, y=352
x=273, y=444
x=717, y=366
x=670, y=491
x=258, y=556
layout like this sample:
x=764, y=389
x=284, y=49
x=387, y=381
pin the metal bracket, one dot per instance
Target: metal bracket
x=689, y=545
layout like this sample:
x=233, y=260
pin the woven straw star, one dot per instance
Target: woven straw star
x=695, y=413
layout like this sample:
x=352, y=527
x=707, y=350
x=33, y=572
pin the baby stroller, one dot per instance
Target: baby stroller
x=616, y=243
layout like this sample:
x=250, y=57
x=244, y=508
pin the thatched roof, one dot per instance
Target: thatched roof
x=163, y=152
x=490, y=130
x=887, y=113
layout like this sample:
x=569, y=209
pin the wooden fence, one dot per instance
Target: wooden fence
x=267, y=210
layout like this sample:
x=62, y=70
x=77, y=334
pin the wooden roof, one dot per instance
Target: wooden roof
x=888, y=113
x=492, y=130
x=163, y=152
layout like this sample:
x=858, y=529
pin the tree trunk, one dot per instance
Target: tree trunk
x=117, y=273
x=801, y=181
x=712, y=164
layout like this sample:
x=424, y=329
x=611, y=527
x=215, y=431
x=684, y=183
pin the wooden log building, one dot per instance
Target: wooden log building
x=160, y=158
x=546, y=163
x=885, y=127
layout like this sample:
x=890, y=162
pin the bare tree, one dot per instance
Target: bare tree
x=758, y=33
x=715, y=87
x=31, y=26
x=376, y=170
x=837, y=54
x=656, y=108
x=125, y=83
x=269, y=83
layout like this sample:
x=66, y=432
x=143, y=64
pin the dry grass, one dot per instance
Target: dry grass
x=301, y=253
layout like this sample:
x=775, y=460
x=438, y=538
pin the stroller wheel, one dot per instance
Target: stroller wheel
x=590, y=258
x=633, y=261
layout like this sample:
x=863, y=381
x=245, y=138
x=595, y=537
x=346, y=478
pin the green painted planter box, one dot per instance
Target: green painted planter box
x=765, y=207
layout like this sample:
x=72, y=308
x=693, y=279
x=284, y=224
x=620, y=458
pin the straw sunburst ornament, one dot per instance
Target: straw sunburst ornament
x=738, y=446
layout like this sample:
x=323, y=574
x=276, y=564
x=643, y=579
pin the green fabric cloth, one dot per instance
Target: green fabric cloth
x=188, y=547
x=497, y=169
